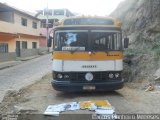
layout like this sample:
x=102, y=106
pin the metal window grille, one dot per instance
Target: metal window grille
x=3, y=47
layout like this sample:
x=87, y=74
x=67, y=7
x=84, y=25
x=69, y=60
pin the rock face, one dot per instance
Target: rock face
x=139, y=14
x=141, y=23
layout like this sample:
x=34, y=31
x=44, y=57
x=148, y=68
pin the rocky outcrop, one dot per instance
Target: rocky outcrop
x=139, y=15
x=141, y=22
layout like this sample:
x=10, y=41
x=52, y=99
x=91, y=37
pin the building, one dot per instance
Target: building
x=19, y=33
x=53, y=15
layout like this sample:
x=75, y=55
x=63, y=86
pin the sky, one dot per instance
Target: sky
x=84, y=7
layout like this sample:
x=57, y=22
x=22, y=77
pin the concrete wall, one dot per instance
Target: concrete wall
x=42, y=51
x=16, y=27
x=10, y=40
x=29, y=40
x=7, y=56
x=18, y=16
x=28, y=52
x=42, y=42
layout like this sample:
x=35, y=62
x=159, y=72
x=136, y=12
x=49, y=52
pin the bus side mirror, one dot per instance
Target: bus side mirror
x=49, y=41
x=126, y=42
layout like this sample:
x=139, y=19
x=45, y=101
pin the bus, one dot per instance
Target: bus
x=87, y=54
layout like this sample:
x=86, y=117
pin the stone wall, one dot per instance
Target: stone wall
x=42, y=50
x=7, y=56
x=28, y=52
x=33, y=52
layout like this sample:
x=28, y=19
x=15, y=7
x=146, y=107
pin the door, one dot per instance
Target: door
x=18, y=47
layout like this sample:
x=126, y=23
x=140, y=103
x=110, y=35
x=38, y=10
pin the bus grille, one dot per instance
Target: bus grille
x=79, y=77
x=98, y=77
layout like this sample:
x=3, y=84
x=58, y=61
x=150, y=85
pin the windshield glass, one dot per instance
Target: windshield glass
x=87, y=40
x=72, y=40
x=105, y=40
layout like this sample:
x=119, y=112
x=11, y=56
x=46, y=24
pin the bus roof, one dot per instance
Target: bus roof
x=84, y=21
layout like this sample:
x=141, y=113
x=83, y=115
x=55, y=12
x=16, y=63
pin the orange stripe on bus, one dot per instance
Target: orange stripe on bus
x=87, y=56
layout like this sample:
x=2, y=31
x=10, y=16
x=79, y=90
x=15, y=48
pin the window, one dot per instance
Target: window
x=58, y=12
x=103, y=40
x=88, y=21
x=69, y=40
x=34, y=25
x=34, y=45
x=23, y=21
x=48, y=12
x=7, y=16
x=50, y=23
x=43, y=23
x=94, y=40
x=24, y=44
x=3, y=47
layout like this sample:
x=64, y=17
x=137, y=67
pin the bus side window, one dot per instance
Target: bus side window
x=55, y=44
x=107, y=43
x=110, y=42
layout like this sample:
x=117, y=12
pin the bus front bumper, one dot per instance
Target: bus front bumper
x=67, y=86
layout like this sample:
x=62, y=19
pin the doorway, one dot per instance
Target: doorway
x=18, y=47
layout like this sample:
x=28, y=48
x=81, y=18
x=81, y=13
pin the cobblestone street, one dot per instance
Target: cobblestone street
x=24, y=74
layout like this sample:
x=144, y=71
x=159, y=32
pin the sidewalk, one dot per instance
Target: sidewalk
x=27, y=58
x=4, y=65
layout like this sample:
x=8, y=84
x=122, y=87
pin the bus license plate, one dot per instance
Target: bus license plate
x=89, y=87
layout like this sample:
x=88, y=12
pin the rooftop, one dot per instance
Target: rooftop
x=5, y=7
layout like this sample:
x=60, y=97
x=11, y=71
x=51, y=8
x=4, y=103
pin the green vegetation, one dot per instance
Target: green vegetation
x=129, y=52
x=156, y=50
x=133, y=52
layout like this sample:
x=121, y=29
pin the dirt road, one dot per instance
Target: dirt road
x=38, y=96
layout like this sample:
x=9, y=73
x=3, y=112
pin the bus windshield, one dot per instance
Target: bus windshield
x=85, y=40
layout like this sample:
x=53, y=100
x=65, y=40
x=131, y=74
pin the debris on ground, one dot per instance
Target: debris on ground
x=150, y=88
x=21, y=110
x=87, y=105
x=100, y=107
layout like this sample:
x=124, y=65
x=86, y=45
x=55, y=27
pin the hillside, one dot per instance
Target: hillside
x=141, y=23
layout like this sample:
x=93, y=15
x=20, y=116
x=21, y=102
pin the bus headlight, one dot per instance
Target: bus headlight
x=111, y=75
x=66, y=76
x=59, y=76
x=117, y=75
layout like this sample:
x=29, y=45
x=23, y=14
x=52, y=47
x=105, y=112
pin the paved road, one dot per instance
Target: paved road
x=24, y=74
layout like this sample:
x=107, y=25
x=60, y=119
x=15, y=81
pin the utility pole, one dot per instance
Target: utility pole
x=47, y=23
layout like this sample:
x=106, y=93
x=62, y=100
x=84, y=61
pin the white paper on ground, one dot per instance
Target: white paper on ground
x=71, y=106
x=56, y=109
x=93, y=107
x=104, y=111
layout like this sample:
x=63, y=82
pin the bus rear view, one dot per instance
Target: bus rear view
x=87, y=55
